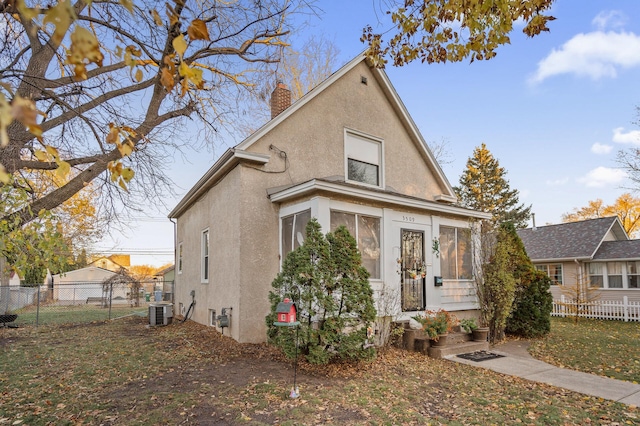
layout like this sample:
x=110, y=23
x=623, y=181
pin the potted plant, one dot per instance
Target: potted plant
x=479, y=334
x=437, y=325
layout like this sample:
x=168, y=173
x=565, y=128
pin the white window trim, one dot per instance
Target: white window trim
x=180, y=260
x=381, y=183
x=204, y=280
x=454, y=223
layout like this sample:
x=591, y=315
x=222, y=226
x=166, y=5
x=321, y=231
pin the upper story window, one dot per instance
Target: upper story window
x=363, y=156
x=293, y=231
x=205, y=256
x=455, y=253
x=180, y=258
x=553, y=271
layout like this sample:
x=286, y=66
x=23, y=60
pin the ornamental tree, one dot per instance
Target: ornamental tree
x=326, y=280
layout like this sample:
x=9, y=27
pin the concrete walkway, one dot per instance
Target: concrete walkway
x=518, y=362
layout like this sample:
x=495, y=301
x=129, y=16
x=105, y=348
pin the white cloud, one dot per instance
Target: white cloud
x=598, y=148
x=557, y=182
x=595, y=55
x=602, y=176
x=631, y=137
x=609, y=19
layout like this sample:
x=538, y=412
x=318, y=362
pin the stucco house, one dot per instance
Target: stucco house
x=596, y=252
x=347, y=153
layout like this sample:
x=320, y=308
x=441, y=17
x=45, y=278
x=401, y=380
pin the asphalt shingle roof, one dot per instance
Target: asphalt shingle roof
x=573, y=240
x=617, y=250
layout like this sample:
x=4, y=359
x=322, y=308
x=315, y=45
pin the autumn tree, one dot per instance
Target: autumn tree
x=626, y=207
x=483, y=187
x=99, y=92
x=436, y=31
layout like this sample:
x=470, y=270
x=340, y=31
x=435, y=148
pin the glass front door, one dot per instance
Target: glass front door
x=412, y=270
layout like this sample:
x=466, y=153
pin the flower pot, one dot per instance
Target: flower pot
x=480, y=334
x=442, y=340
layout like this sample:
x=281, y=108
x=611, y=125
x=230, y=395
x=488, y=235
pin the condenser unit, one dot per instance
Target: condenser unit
x=160, y=313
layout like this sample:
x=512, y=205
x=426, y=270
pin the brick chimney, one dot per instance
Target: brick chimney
x=280, y=99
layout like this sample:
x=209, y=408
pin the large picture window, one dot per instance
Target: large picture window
x=366, y=231
x=455, y=253
x=293, y=231
x=363, y=159
x=205, y=256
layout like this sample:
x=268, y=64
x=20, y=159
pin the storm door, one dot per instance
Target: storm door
x=412, y=270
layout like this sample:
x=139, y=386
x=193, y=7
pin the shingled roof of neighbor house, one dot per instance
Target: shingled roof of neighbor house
x=572, y=240
x=619, y=250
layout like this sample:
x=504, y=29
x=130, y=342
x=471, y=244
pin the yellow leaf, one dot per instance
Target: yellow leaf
x=52, y=151
x=6, y=117
x=84, y=49
x=194, y=75
x=172, y=15
x=4, y=176
x=128, y=4
x=114, y=134
x=198, y=30
x=25, y=112
x=40, y=155
x=156, y=17
x=61, y=16
x=179, y=45
x=139, y=75
x=127, y=174
x=63, y=169
x=26, y=12
x=123, y=185
x=167, y=80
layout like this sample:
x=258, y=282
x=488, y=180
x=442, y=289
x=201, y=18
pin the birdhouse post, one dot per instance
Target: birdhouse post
x=286, y=313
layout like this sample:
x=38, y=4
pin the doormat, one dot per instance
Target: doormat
x=480, y=356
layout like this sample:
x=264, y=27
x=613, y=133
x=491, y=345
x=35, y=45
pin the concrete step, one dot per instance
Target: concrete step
x=457, y=348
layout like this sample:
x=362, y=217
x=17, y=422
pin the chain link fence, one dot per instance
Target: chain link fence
x=80, y=302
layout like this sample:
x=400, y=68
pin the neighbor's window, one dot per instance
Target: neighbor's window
x=366, y=231
x=595, y=275
x=205, y=256
x=553, y=271
x=614, y=274
x=633, y=274
x=455, y=253
x=180, y=258
x=293, y=231
x=363, y=159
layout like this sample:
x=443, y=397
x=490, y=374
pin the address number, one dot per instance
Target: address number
x=408, y=219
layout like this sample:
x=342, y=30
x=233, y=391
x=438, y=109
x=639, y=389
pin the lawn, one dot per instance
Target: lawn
x=66, y=314
x=124, y=372
x=607, y=348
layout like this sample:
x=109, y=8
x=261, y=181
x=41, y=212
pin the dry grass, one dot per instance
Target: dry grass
x=125, y=373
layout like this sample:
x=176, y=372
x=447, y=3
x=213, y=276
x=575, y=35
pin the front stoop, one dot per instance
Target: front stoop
x=457, y=348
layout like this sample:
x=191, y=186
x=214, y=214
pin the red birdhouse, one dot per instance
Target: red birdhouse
x=286, y=311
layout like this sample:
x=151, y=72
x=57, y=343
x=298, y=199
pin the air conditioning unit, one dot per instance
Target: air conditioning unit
x=160, y=313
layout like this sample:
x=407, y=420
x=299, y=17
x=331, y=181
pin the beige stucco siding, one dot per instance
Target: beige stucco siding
x=313, y=137
x=216, y=210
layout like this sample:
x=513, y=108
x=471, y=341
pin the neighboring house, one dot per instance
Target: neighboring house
x=114, y=263
x=597, y=252
x=165, y=280
x=82, y=285
x=347, y=153
x=14, y=279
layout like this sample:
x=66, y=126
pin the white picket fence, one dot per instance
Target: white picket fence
x=621, y=310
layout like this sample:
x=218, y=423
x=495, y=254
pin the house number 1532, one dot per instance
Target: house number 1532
x=408, y=219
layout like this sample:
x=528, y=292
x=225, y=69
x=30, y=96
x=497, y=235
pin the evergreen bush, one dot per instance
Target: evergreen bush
x=532, y=306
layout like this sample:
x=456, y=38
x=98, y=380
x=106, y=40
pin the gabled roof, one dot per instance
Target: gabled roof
x=234, y=156
x=569, y=241
x=619, y=250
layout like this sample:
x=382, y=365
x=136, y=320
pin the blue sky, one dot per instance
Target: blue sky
x=554, y=110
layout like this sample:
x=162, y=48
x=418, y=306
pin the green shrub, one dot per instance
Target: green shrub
x=334, y=300
x=531, y=312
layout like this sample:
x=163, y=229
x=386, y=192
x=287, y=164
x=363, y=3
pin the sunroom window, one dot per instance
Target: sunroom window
x=455, y=253
x=293, y=231
x=366, y=231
